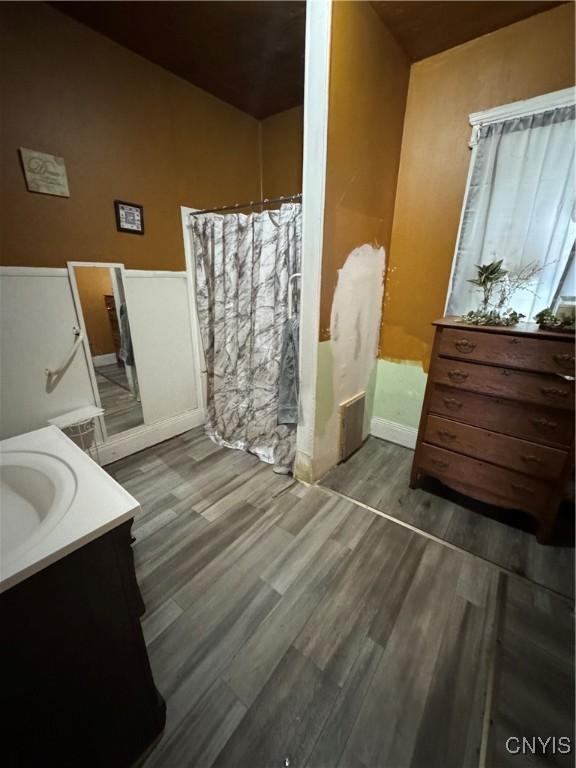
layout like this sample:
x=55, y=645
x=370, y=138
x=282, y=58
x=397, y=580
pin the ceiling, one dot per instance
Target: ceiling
x=425, y=28
x=250, y=54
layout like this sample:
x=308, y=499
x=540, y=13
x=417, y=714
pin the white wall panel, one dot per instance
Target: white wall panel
x=37, y=315
x=36, y=320
x=159, y=314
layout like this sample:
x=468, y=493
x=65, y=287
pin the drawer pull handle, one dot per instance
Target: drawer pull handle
x=455, y=374
x=452, y=404
x=565, y=360
x=545, y=425
x=515, y=341
x=528, y=458
x=463, y=345
x=439, y=463
x=554, y=392
x=445, y=435
x=522, y=488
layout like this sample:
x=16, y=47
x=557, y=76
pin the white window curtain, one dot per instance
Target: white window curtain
x=519, y=207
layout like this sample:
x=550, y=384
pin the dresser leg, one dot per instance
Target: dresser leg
x=414, y=477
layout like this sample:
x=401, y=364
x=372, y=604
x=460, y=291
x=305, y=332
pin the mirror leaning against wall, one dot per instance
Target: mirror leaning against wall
x=102, y=309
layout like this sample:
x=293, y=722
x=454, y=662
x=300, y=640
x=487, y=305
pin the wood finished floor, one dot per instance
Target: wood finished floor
x=534, y=685
x=122, y=410
x=284, y=622
x=378, y=475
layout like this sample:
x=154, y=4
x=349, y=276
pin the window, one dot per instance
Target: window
x=520, y=204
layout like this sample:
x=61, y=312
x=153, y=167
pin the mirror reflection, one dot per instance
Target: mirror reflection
x=105, y=312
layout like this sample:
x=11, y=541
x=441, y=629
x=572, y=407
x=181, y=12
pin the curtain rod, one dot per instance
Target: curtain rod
x=251, y=204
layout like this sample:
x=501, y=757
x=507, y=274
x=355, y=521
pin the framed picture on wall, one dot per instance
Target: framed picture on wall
x=129, y=217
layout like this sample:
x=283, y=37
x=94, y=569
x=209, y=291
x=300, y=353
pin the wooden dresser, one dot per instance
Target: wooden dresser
x=497, y=422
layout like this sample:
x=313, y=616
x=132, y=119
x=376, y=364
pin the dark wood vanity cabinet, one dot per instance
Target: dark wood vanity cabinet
x=497, y=422
x=76, y=685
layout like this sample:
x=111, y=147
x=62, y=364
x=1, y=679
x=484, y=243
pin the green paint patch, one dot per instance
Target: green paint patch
x=325, y=404
x=399, y=392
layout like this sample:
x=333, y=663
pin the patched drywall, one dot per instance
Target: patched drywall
x=369, y=75
x=346, y=363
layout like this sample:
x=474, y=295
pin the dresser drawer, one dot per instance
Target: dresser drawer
x=531, y=422
x=490, y=483
x=529, y=458
x=545, y=355
x=543, y=389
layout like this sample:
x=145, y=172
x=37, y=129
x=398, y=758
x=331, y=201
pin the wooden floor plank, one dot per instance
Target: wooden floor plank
x=460, y=669
x=252, y=667
x=157, y=622
x=294, y=512
x=252, y=552
x=534, y=686
x=396, y=579
x=400, y=687
x=182, y=564
x=367, y=646
x=146, y=525
x=355, y=524
x=331, y=742
x=378, y=475
x=334, y=634
x=285, y=720
x=203, y=733
x=305, y=547
x=153, y=551
x=186, y=660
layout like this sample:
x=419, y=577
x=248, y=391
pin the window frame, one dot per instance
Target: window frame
x=553, y=100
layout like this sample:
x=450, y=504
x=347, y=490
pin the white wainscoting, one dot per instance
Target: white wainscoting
x=122, y=445
x=394, y=433
x=37, y=315
x=161, y=328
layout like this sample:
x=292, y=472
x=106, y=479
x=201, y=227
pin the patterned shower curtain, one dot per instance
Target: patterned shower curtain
x=242, y=266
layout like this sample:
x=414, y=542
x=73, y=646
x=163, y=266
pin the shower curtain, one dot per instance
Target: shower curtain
x=242, y=265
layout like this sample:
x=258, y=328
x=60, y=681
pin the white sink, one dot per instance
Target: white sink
x=36, y=491
x=53, y=500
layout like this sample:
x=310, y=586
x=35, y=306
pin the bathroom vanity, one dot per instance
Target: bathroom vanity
x=77, y=688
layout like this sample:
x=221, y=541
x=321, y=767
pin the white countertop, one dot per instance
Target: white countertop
x=98, y=504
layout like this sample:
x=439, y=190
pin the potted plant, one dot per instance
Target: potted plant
x=547, y=319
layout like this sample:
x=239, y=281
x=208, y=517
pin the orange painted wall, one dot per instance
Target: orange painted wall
x=368, y=83
x=520, y=61
x=282, y=140
x=127, y=129
x=93, y=284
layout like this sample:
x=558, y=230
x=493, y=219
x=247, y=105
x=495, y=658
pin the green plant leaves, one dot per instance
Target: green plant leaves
x=488, y=274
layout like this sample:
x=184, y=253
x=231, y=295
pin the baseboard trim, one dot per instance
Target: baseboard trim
x=394, y=433
x=107, y=359
x=120, y=446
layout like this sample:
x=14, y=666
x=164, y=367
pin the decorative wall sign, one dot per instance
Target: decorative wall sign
x=129, y=217
x=44, y=173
